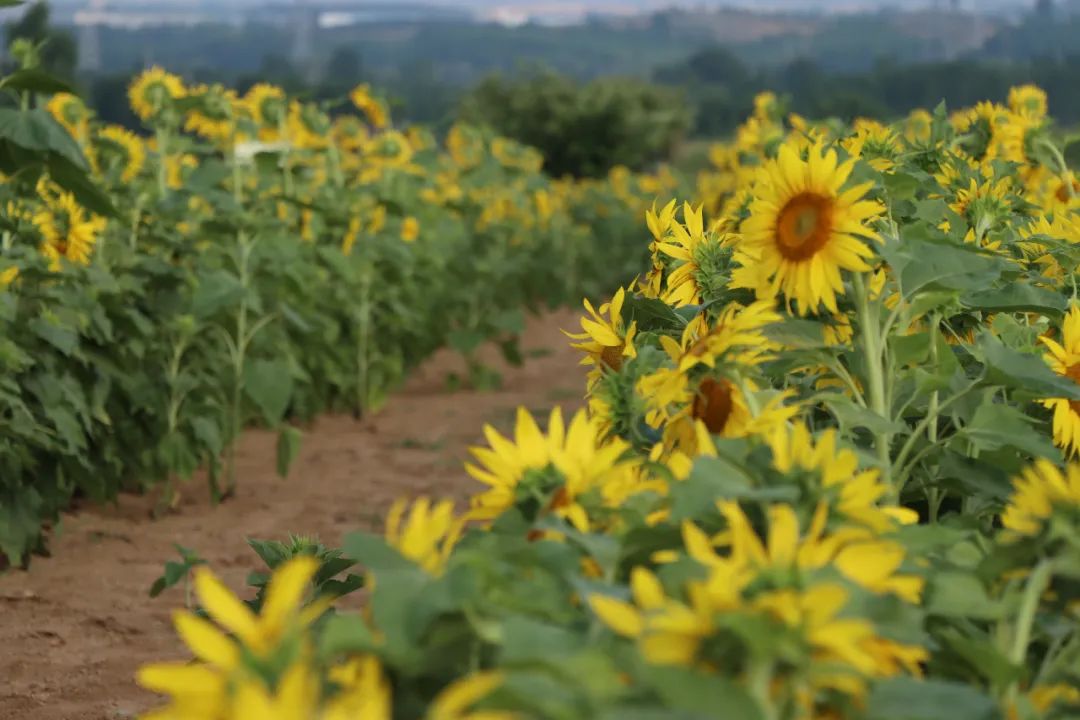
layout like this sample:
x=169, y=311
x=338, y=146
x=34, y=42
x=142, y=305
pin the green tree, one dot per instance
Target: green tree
x=59, y=51
x=582, y=129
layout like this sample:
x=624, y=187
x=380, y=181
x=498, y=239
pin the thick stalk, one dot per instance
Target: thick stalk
x=1025, y=619
x=872, y=343
x=163, y=163
x=239, y=353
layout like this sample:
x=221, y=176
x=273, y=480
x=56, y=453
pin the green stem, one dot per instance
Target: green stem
x=870, y=326
x=163, y=163
x=1029, y=605
x=759, y=676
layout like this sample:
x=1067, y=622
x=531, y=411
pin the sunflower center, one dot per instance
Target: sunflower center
x=612, y=356
x=713, y=404
x=1063, y=194
x=804, y=226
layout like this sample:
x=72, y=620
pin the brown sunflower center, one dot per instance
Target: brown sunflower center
x=612, y=356
x=1063, y=194
x=713, y=404
x=804, y=226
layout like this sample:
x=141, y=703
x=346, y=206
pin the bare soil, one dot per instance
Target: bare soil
x=74, y=628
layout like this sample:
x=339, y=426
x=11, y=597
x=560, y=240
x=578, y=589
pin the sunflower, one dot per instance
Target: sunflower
x=154, y=91
x=70, y=111
x=429, y=533
x=213, y=118
x=1041, y=490
x=269, y=109
x=374, y=109
x=704, y=382
x=659, y=223
x=309, y=127
x=133, y=152
x=873, y=142
x=1064, y=359
x=1028, y=101
x=410, y=229
x=918, y=127
x=606, y=342
x=804, y=229
x=510, y=466
x=688, y=243
x=68, y=231
x=833, y=474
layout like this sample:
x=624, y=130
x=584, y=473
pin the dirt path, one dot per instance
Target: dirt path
x=76, y=626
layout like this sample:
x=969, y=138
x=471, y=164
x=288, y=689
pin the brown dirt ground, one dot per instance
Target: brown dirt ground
x=74, y=628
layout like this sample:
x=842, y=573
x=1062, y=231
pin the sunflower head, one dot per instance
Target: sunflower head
x=805, y=228
x=373, y=108
x=67, y=230
x=127, y=151
x=1028, y=101
x=71, y=112
x=153, y=92
x=1064, y=359
x=268, y=107
x=1042, y=493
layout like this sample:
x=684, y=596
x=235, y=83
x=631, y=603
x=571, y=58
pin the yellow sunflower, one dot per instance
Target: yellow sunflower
x=153, y=91
x=1064, y=359
x=268, y=107
x=873, y=142
x=70, y=111
x=410, y=229
x=374, y=110
x=804, y=228
x=1029, y=101
x=429, y=533
x=607, y=342
x=1041, y=489
x=687, y=242
x=131, y=146
x=68, y=231
x=575, y=451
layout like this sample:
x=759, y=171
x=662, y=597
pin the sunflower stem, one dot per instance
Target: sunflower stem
x=1037, y=584
x=758, y=679
x=872, y=344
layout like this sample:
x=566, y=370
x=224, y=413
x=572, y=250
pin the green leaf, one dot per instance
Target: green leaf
x=1017, y=297
x=346, y=634
x=269, y=384
x=910, y=699
x=798, y=333
x=37, y=131
x=61, y=337
x=995, y=426
x=926, y=265
x=373, y=553
x=707, y=696
x=215, y=291
x=528, y=640
x=34, y=80
x=288, y=447
x=849, y=415
x=75, y=180
x=465, y=341
x=651, y=314
x=960, y=595
x=1023, y=371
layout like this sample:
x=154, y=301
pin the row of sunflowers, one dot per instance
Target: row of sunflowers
x=254, y=258
x=826, y=471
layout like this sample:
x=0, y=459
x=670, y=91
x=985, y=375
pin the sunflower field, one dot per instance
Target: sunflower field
x=826, y=471
x=827, y=467
x=254, y=259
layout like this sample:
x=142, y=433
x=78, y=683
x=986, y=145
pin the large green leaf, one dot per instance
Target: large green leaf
x=1012, y=368
x=269, y=384
x=910, y=699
